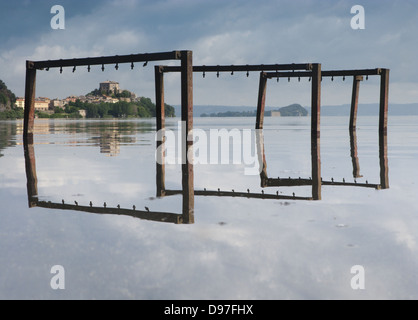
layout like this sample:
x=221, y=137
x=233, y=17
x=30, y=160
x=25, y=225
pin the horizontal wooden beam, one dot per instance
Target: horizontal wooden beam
x=329, y=73
x=142, y=57
x=238, y=195
x=144, y=215
x=243, y=68
x=308, y=182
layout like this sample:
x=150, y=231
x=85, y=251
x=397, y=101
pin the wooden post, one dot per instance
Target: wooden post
x=261, y=157
x=354, y=101
x=315, y=131
x=31, y=177
x=187, y=135
x=160, y=116
x=316, y=100
x=30, y=88
x=383, y=157
x=354, y=154
x=384, y=101
x=316, y=168
x=261, y=101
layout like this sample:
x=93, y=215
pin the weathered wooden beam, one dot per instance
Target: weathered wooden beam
x=261, y=103
x=142, y=57
x=384, y=101
x=243, y=68
x=31, y=177
x=160, y=118
x=354, y=102
x=316, y=100
x=144, y=215
x=325, y=73
x=383, y=159
x=187, y=135
x=259, y=136
x=354, y=154
x=30, y=91
x=285, y=182
x=239, y=195
x=316, y=168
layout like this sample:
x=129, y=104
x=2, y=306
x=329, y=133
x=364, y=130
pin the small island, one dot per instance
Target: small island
x=293, y=110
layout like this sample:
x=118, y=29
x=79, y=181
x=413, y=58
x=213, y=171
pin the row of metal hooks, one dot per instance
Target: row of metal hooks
x=105, y=205
x=102, y=68
x=278, y=78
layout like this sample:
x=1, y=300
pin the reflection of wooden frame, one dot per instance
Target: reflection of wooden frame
x=32, y=191
x=316, y=181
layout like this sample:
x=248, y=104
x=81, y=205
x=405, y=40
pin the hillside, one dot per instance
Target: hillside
x=7, y=98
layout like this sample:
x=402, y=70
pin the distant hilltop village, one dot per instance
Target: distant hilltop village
x=108, y=92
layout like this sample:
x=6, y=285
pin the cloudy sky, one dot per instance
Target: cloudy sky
x=218, y=32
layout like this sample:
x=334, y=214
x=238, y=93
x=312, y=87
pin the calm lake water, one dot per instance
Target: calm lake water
x=255, y=247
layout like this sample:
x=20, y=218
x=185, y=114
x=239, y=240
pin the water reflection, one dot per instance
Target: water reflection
x=188, y=192
x=315, y=180
x=8, y=130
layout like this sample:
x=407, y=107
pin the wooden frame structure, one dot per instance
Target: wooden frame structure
x=313, y=71
x=316, y=76
x=186, y=69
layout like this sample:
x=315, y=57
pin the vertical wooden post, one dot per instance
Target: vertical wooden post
x=30, y=88
x=315, y=131
x=316, y=99
x=261, y=103
x=160, y=116
x=261, y=157
x=384, y=101
x=316, y=168
x=383, y=157
x=354, y=101
x=31, y=177
x=187, y=135
x=354, y=154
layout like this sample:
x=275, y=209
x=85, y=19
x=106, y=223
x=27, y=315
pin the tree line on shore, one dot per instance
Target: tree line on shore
x=143, y=108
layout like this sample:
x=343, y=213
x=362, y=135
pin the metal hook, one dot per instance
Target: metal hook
x=232, y=73
x=88, y=68
x=217, y=74
x=344, y=78
x=298, y=79
x=145, y=64
x=117, y=66
x=332, y=78
x=60, y=69
x=288, y=79
x=132, y=65
x=47, y=69
x=103, y=68
x=204, y=74
x=367, y=77
x=74, y=69
x=309, y=79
